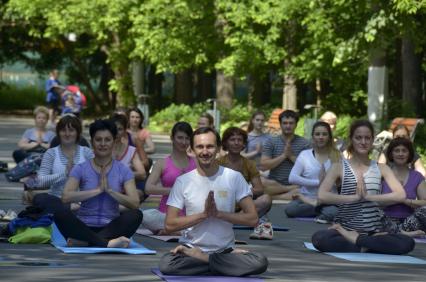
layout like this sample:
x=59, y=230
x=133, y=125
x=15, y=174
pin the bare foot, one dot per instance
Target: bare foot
x=239, y=251
x=351, y=236
x=415, y=233
x=120, y=242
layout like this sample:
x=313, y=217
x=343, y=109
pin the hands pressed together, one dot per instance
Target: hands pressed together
x=210, y=208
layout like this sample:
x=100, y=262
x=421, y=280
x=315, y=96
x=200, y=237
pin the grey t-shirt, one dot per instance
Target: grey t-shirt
x=275, y=147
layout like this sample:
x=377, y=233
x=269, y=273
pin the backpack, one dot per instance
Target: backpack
x=24, y=168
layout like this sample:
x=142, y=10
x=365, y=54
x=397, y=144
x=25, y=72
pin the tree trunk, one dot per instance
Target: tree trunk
x=183, y=87
x=138, y=77
x=377, y=89
x=224, y=90
x=155, y=88
x=103, y=87
x=204, y=83
x=262, y=90
x=290, y=90
x=411, y=76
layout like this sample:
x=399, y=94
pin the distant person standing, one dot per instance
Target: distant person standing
x=205, y=120
x=53, y=98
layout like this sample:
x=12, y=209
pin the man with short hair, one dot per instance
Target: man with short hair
x=209, y=194
x=279, y=154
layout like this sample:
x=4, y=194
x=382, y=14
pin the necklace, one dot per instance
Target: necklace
x=102, y=167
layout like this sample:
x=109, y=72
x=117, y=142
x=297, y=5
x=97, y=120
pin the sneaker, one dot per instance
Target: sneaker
x=322, y=219
x=257, y=232
x=267, y=231
x=10, y=215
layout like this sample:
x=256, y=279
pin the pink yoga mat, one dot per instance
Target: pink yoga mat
x=203, y=278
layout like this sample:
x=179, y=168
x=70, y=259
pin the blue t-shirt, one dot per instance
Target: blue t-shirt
x=51, y=95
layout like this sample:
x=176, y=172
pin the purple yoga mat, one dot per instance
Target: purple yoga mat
x=311, y=219
x=203, y=278
x=420, y=240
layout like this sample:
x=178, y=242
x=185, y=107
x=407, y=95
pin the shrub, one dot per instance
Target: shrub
x=20, y=98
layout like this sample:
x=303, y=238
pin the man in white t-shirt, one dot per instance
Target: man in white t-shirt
x=209, y=194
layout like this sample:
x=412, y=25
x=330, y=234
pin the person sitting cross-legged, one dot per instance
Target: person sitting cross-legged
x=101, y=185
x=209, y=194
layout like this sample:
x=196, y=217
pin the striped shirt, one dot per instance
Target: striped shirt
x=364, y=216
x=52, y=171
x=274, y=147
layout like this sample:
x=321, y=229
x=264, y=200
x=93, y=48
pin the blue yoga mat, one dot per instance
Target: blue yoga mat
x=370, y=257
x=275, y=227
x=58, y=241
x=203, y=278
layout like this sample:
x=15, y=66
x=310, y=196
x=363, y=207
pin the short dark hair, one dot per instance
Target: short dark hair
x=229, y=132
x=71, y=121
x=102, y=124
x=288, y=114
x=204, y=130
x=398, y=142
x=136, y=110
x=356, y=124
x=121, y=119
x=182, y=126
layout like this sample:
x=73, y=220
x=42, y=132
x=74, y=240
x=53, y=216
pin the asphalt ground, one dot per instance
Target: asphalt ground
x=288, y=259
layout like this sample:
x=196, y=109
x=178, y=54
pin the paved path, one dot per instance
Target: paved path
x=289, y=260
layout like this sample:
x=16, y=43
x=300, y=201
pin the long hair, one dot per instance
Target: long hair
x=333, y=153
x=251, y=126
x=354, y=126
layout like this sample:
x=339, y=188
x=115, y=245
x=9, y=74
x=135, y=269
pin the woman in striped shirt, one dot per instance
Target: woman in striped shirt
x=358, y=227
x=57, y=163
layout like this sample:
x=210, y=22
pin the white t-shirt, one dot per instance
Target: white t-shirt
x=190, y=192
x=305, y=173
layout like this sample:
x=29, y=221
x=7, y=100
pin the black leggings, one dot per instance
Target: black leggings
x=49, y=203
x=393, y=244
x=125, y=224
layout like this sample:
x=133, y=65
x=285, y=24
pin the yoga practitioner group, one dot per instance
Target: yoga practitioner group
x=95, y=200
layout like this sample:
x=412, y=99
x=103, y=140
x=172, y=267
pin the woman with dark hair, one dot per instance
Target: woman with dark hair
x=234, y=140
x=56, y=165
x=309, y=171
x=416, y=163
x=101, y=185
x=138, y=132
x=408, y=217
x=127, y=154
x=164, y=174
x=358, y=227
x=256, y=137
x=123, y=151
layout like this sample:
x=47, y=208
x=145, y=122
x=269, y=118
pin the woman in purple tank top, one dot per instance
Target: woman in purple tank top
x=164, y=174
x=408, y=217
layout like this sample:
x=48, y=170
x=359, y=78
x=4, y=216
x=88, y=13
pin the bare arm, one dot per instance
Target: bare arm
x=174, y=222
x=268, y=163
x=325, y=196
x=381, y=159
x=130, y=199
x=138, y=168
x=418, y=165
x=149, y=146
x=421, y=197
x=153, y=184
x=257, y=186
x=26, y=145
x=247, y=217
x=71, y=193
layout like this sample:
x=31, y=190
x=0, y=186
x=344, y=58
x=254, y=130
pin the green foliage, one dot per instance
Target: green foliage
x=420, y=141
x=164, y=120
x=20, y=98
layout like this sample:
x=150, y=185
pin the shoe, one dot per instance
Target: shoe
x=322, y=220
x=257, y=232
x=267, y=231
x=10, y=215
